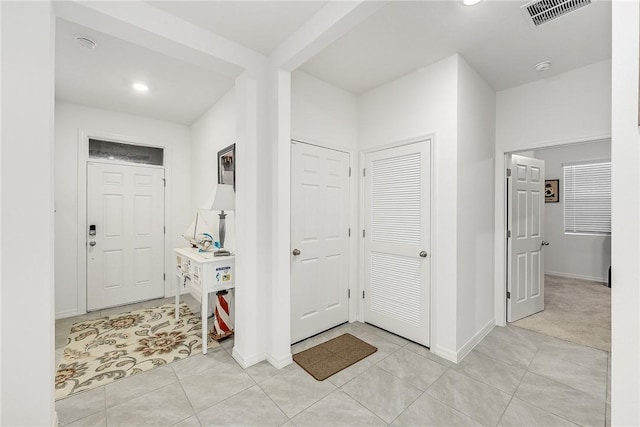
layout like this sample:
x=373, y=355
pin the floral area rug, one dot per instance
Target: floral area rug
x=101, y=351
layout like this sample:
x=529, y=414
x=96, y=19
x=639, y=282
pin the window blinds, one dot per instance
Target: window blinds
x=587, y=198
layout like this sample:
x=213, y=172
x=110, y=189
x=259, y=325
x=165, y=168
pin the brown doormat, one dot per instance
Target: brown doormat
x=333, y=356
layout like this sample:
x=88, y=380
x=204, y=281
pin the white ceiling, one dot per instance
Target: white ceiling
x=492, y=36
x=401, y=37
x=102, y=77
x=258, y=25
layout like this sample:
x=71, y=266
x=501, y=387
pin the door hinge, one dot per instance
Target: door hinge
x=508, y=234
x=508, y=172
x=363, y=172
x=164, y=180
x=164, y=276
x=348, y=293
x=349, y=170
x=349, y=232
x=362, y=294
x=362, y=233
x=165, y=230
x=508, y=295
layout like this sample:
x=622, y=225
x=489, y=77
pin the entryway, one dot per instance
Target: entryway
x=573, y=229
x=320, y=235
x=125, y=235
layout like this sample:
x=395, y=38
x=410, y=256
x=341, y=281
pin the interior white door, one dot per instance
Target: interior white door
x=397, y=197
x=525, y=284
x=125, y=257
x=319, y=239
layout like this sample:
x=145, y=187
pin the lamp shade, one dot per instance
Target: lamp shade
x=225, y=199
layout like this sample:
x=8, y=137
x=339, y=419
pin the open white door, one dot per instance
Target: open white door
x=125, y=256
x=525, y=283
x=397, y=221
x=319, y=239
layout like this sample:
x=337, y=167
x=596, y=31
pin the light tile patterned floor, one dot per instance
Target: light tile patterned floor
x=514, y=377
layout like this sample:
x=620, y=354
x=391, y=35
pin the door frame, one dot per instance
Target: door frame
x=83, y=158
x=430, y=140
x=500, y=223
x=353, y=219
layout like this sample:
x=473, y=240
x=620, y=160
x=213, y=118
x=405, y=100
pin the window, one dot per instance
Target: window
x=99, y=149
x=587, y=198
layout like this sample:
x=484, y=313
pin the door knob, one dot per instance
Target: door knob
x=92, y=243
x=423, y=254
x=296, y=252
x=544, y=243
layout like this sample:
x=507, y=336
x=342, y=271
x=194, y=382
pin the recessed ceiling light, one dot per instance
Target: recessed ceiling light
x=85, y=41
x=470, y=2
x=140, y=87
x=543, y=66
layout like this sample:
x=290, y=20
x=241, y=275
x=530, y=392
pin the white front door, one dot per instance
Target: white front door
x=319, y=239
x=397, y=261
x=125, y=257
x=525, y=287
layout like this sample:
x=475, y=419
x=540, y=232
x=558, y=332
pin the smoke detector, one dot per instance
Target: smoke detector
x=543, y=66
x=85, y=42
x=540, y=12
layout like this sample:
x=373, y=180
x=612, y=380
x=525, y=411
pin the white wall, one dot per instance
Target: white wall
x=212, y=132
x=566, y=107
x=1, y=137
x=69, y=119
x=572, y=255
x=322, y=113
x=420, y=104
x=476, y=144
x=26, y=394
x=253, y=302
x=625, y=250
x=571, y=107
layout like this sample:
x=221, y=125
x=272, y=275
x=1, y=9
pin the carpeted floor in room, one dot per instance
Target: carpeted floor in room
x=575, y=310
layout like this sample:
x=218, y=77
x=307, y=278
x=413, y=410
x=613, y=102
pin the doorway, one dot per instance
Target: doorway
x=577, y=257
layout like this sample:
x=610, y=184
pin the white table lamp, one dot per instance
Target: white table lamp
x=225, y=200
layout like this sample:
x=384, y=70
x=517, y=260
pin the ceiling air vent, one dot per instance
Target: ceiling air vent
x=539, y=12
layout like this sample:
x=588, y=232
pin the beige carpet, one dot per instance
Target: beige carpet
x=328, y=358
x=575, y=310
x=101, y=351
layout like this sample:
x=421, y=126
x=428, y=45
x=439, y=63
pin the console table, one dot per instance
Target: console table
x=201, y=273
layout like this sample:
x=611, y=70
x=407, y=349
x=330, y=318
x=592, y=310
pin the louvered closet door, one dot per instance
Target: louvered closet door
x=397, y=236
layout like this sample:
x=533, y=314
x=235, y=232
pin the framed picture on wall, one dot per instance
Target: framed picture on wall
x=227, y=166
x=551, y=190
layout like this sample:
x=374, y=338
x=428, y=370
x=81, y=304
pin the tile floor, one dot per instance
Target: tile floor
x=514, y=377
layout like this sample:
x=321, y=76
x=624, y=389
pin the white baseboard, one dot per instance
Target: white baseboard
x=577, y=276
x=246, y=362
x=445, y=353
x=67, y=313
x=475, y=340
x=280, y=362
x=277, y=362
